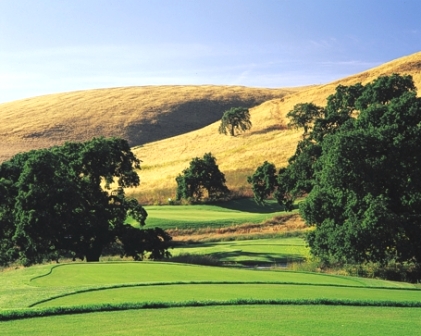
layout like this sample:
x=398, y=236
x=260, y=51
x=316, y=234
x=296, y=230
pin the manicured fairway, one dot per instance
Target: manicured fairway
x=50, y=289
x=221, y=292
x=196, y=216
x=231, y=320
x=258, y=251
x=83, y=274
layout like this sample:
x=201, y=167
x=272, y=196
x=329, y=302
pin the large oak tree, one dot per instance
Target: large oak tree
x=58, y=202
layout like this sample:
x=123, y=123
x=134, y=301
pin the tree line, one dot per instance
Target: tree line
x=359, y=167
x=58, y=202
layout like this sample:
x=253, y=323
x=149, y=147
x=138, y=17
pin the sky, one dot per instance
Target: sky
x=51, y=46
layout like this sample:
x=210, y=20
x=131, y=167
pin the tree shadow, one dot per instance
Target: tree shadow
x=269, y=129
x=249, y=205
x=183, y=117
x=255, y=258
x=241, y=257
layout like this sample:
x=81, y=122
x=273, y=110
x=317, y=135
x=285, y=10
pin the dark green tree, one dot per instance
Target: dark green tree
x=263, y=182
x=303, y=115
x=267, y=182
x=62, y=201
x=236, y=119
x=203, y=175
x=365, y=199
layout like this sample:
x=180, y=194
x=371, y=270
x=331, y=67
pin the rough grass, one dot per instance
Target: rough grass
x=277, y=227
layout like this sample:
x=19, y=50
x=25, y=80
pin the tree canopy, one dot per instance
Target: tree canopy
x=202, y=175
x=360, y=165
x=58, y=202
x=235, y=120
x=366, y=200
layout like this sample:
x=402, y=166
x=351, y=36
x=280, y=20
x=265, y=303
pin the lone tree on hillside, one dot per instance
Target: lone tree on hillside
x=235, y=119
x=202, y=175
x=57, y=202
x=303, y=115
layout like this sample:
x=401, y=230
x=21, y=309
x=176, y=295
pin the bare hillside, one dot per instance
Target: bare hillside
x=138, y=114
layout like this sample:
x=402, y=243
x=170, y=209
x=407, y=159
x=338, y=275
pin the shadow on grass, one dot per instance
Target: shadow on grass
x=256, y=258
x=249, y=205
x=241, y=257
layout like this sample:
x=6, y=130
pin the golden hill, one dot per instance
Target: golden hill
x=169, y=125
x=237, y=157
x=138, y=114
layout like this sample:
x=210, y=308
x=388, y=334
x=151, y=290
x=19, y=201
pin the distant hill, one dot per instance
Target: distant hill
x=138, y=114
x=268, y=139
x=169, y=125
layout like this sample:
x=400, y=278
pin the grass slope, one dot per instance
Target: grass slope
x=183, y=117
x=139, y=114
x=239, y=156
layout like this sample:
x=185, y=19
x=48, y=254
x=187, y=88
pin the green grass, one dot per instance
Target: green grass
x=222, y=291
x=74, y=275
x=128, y=298
x=216, y=215
x=251, y=252
x=227, y=320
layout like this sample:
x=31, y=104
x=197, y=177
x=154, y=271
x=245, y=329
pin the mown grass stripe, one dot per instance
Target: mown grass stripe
x=30, y=313
x=180, y=283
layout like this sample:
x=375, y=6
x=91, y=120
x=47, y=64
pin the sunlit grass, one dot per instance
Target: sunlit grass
x=228, y=320
x=221, y=292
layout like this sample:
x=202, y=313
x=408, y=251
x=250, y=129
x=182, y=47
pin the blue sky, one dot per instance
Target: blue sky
x=49, y=46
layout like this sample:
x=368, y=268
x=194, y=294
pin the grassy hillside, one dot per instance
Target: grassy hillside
x=269, y=139
x=169, y=125
x=138, y=114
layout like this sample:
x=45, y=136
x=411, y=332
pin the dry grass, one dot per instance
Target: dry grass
x=279, y=225
x=269, y=139
x=138, y=114
x=174, y=124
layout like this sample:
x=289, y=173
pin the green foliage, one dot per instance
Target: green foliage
x=266, y=182
x=202, y=175
x=302, y=115
x=236, y=119
x=56, y=205
x=361, y=165
x=263, y=181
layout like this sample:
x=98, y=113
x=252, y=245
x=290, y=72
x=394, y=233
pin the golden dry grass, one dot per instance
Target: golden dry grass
x=275, y=227
x=138, y=114
x=183, y=118
x=239, y=156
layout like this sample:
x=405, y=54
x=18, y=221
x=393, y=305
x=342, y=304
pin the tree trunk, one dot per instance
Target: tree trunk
x=93, y=254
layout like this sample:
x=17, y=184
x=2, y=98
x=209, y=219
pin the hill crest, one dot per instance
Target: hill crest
x=169, y=125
